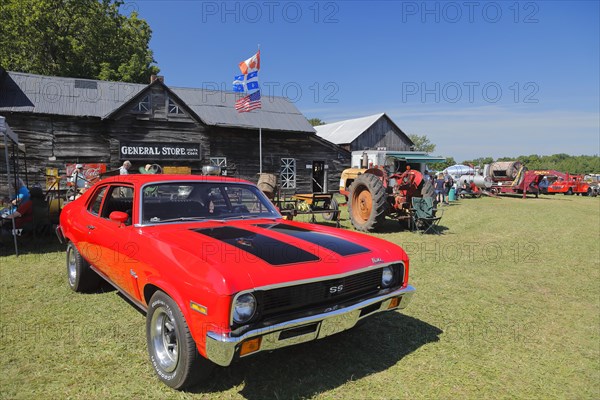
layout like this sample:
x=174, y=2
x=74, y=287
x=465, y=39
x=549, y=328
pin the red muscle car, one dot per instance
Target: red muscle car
x=218, y=271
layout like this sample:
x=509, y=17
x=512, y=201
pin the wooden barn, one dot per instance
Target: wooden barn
x=62, y=121
x=372, y=132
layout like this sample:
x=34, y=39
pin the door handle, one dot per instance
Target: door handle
x=91, y=227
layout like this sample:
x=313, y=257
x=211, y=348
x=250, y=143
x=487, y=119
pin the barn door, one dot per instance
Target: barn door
x=318, y=176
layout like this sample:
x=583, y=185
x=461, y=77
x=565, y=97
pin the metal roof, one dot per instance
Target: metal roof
x=63, y=96
x=217, y=108
x=20, y=92
x=346, y=131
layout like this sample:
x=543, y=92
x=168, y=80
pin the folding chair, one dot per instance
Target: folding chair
x=424, y=215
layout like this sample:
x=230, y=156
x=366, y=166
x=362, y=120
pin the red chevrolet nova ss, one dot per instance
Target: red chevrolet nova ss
x=218, y=271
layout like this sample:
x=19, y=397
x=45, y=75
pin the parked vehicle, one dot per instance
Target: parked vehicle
x=382, y=184
x=570, y=184
x=218, y=271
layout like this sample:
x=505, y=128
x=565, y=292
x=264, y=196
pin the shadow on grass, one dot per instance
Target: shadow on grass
x=30, y=245
x=309, y=369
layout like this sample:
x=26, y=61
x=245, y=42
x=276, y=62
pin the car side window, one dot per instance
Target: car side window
x=119, y=198
x=94, y=207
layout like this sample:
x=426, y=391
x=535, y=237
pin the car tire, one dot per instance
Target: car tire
x=80, y=277
x=569, y=192
x=172, y=350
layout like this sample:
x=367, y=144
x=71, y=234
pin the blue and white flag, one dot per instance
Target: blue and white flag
x=252, y=81
x=246, y=83
x=238, y=83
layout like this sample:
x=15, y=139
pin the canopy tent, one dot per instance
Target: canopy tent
x=8, y=138
x=416, y=158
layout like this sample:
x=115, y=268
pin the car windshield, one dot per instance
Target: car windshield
x=191, y=201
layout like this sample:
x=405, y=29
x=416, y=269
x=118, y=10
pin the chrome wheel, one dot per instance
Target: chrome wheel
x=164, y=339
x=71, y=266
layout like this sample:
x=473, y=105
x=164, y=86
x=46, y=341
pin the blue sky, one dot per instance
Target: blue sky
x=478, y=78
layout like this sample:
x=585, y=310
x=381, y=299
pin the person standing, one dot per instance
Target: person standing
x=124, y=169
x=426, y=176
x=439, y=189
x=77, y=177
x=448, y=183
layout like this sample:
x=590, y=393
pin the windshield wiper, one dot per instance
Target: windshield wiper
x=243, y=216
x=239, y=216
x=156, y=219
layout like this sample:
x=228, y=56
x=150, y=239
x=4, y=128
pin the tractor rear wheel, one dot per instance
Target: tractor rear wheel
x=367, y=205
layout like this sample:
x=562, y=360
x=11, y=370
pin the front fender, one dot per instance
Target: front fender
x=211, y=309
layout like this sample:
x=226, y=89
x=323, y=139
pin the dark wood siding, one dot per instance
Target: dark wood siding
x=91, y=140
x=69, y=139
x=381, y=134
x=241, y=148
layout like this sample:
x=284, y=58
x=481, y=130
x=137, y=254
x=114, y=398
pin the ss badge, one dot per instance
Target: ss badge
x=336, y=289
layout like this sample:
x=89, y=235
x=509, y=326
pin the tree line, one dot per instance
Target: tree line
x=561, y=162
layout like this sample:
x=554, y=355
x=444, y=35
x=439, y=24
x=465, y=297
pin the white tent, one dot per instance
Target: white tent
x=8, y=136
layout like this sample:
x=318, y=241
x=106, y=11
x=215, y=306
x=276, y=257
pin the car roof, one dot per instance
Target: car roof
x=141, y=179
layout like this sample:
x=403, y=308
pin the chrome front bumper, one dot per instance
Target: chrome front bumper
x=223, y=348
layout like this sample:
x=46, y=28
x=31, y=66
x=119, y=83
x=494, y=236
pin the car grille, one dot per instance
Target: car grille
x=289, y=299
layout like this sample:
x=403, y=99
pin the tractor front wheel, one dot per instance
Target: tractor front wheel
x=367, y=205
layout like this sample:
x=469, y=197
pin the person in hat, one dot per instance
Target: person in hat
x=22, y=196
x=147, y=169
x=77, y=177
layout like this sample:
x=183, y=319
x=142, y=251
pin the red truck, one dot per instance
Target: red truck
x=567, y=184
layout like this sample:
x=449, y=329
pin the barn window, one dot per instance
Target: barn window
x=219, y=162
x=288, y=173
x=173, y=108
x=144, y=105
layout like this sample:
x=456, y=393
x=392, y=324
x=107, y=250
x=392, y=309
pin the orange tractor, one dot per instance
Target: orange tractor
x=382, y=185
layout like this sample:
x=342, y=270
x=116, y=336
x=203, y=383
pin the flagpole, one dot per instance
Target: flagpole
x=260, y=134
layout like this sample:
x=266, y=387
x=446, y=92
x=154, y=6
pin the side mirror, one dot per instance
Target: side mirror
x=118, y=216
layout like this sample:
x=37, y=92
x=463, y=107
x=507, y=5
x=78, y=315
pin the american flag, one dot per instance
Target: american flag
x=248, y=103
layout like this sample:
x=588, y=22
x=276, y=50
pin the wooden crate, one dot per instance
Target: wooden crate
x=177, y=170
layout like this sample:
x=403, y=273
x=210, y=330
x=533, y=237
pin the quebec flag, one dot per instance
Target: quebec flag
x=246, y=83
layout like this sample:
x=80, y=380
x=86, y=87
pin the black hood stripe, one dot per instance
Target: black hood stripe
x=337, y=245
x=273, y=251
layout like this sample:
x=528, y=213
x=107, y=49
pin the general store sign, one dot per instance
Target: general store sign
x=159, y=151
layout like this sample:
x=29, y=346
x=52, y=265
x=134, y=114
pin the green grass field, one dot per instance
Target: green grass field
x=507, y=306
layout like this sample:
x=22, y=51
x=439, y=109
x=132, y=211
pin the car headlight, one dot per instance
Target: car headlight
x=387, y=276
x=244, y=307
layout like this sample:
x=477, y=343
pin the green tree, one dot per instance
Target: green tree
x=481, y=161
x=561, y=162
x=316, y=122
x=422, y=143
x=443, y=165
x=75, y=38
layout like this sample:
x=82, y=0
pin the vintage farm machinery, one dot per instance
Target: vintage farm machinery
x=311, y=204
x=384, y=186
